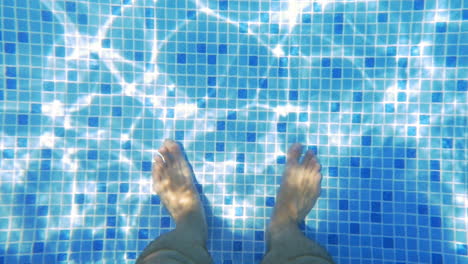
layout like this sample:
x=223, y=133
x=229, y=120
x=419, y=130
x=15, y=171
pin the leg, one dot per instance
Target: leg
x=172, y=181
x=297, y=195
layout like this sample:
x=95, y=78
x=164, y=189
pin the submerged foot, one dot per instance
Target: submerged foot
x=173, y=182
x=300, y=186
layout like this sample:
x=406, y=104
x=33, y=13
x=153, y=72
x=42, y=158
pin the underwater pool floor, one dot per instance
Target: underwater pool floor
x=90, y=89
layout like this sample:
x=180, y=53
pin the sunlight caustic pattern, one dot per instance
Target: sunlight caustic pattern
x=91, y=89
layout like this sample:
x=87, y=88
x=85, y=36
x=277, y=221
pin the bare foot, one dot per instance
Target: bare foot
x=300, y=187
x=173, y=182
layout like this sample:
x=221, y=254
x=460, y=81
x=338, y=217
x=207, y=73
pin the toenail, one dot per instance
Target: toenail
x=161, y=155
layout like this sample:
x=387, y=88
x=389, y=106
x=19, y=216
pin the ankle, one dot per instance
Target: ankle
x=193, y=225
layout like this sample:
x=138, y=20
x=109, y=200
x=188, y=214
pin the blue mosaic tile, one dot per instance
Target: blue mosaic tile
x=382, y=106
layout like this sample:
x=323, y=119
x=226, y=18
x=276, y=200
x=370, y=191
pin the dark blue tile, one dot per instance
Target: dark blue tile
x=451, y=61
x=293, y=95
x=338, y=29
x=181, y=58
x=437, y=97
x=10, y=71
x=223, y=4
x=376, y=206
x=92, y=154
x=111, y=198
x=274, y=29
x=219, y=146
x=388, y=242
x=143, y=234
x=441, y=27
x=106, y=43
x=387, y=196
x=209, y=157
x=240, y=157
x=93, y=121
x=462, y=85
x=38, y=247
x=64, y=235
x=251, y=137
x=343, y=205
x=22, y=142
x=155, y=199
x=382, y=17
x=212, y=81
x=399, y=163
x=124, y=187
x=179, y=135
x=437, y=258
x=242, y=93
x=281, y=160
x=334, y=107
x=411, y=153
x=259, y=235
x=237, y=245
x=82, y=19
x=131, y=255
x=356, y=118
x=436, y=222
x=423, y=209
x=402, y=62
x=105, y=88
x=465, y=14
x=146, y=166
x=462, y=249
x=338, y=18
x=376, y=218
x=355, y=161
x=281, y=127
x=46, y=16
x=306, y=18
x=326, y=62
x=139, y=56
x=418, y=4
x=98, y=245
x=23, y=119
x=46, y=153
x=48, y=86
x=42, y=211
x=333, y=171
x=354, y=228
x=333, y=239
x=220, y=125
x=111, y=221
x=253, y=60
x=201, y=48
x=370, y=62
x=11, y=83
x=366, y=140
x=336, y=73
x=116, y=111
x=212, y=59
x=365, y=173
x=270, y=201
x=435, y=176
x=447, y=143
x=8, y=153
x=70, y=6
x=222, y=49
x=282, y=72
x=435, y=164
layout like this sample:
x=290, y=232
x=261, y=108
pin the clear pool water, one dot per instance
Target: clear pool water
x=89, y=90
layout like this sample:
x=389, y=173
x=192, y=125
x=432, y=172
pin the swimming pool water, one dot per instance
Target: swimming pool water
x=89, y=90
